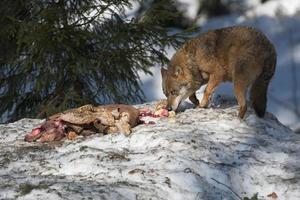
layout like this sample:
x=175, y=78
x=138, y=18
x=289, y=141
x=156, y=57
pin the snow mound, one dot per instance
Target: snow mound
x=203, y=154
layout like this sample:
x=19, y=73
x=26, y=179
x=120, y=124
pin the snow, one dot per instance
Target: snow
x=203, y=154
x=271, y=8
x=189, y=8
x=279, y=20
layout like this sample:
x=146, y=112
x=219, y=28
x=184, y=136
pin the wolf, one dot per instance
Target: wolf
x=240, y=54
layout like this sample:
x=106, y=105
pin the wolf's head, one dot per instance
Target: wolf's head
x=178, y=84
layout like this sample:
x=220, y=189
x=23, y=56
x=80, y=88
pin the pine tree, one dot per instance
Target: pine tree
x=59, y=54
x=151, y=11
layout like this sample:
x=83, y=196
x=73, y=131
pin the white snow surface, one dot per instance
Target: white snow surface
x=279, y=20
x=189, y=8
x=203, y=154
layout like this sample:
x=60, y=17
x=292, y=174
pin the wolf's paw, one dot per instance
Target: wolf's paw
x=203, y=105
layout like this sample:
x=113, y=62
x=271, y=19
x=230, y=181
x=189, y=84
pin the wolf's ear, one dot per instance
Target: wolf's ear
x=178, y=71
x=163, y=72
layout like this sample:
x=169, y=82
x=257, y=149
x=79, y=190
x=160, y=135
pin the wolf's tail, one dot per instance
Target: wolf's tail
x=258, y=93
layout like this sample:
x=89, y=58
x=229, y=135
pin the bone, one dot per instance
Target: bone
x=111, y=130
x=123, y=123
x=72, y=135
x=123, y=127
x=115, y=113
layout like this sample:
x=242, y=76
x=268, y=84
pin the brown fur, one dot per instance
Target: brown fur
x=242, y=55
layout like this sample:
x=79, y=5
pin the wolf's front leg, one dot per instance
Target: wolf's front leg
x=194, y=99
x=212, y=84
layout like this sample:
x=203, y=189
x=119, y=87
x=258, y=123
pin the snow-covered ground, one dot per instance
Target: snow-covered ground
x=280, y=21
x=204, y=154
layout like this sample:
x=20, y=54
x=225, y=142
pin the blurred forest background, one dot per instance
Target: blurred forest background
x=60, y=54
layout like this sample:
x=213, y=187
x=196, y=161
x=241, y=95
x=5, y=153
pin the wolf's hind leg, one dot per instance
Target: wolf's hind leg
x=244, y=76
x=194, y=99
x=241, y=85
x=212, y=84
x=240, y=91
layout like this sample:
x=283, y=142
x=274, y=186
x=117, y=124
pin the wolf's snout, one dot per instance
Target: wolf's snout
x=169, y=108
